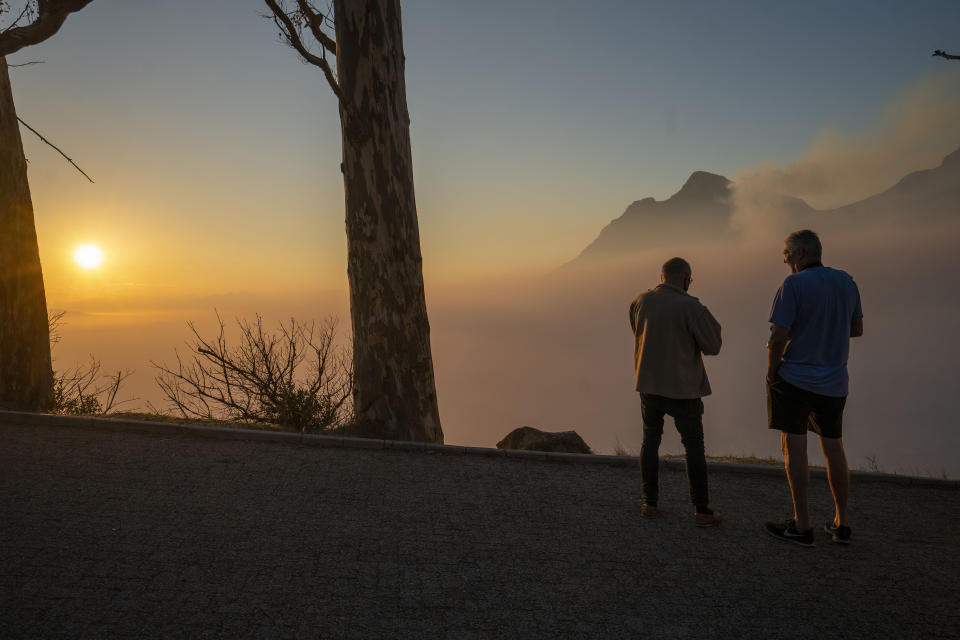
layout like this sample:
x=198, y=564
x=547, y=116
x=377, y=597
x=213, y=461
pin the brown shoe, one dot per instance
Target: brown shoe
x=708, y=519
x=649, y=511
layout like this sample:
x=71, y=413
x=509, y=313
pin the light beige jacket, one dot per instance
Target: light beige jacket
x=671, y=330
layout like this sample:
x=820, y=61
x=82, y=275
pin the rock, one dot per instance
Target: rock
x=530, y=439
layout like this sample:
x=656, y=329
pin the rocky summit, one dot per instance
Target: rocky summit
x=702, y=211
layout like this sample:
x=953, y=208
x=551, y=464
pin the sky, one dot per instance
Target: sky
x=216, y=152
x=533, y=124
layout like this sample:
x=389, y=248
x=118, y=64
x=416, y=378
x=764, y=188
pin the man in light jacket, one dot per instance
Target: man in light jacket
x=671, y=332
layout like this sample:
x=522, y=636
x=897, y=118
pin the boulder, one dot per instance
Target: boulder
x=530, y=439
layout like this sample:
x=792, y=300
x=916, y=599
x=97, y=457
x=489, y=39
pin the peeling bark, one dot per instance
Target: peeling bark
x=26, y=378
x=395, y=394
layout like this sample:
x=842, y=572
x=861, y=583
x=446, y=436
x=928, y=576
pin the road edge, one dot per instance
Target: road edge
x=238, y=432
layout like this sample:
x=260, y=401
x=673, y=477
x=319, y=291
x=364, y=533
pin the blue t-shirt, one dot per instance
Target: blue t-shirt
x=817, y=305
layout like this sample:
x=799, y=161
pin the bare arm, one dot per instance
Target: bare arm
x=779, y=335
x=856, y=328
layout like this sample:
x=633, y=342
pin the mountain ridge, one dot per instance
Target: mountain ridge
x=704, y=198
x=702, y=211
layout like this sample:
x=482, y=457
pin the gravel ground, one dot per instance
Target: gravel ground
x=114, y=534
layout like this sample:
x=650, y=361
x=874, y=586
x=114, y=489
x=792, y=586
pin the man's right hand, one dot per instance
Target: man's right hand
x=856, y=328
x=779, y=336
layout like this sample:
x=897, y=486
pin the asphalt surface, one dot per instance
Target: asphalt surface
x=116, y=534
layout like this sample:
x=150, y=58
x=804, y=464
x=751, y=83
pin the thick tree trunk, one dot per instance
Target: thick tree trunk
x=26, y=379
x=395, y=393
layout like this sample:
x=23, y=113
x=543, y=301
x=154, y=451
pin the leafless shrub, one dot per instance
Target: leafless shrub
x=620, y=450
x=297, y=377
x=82, y=390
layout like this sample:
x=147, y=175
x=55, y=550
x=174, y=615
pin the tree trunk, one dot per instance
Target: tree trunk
x=26, y=378
x=395, y=394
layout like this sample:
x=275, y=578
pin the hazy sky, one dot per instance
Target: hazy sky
x=216, y=151
x=216, y=158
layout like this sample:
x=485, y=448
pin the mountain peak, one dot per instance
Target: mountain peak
x=703, y=185
x=952, y=158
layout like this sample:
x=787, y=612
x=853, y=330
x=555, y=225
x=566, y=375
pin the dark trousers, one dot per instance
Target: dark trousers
x=688, y=417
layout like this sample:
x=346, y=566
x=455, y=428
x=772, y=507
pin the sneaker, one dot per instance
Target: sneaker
x=711, y=519
x=839, y=534
x=648, y=510
x=787, y=531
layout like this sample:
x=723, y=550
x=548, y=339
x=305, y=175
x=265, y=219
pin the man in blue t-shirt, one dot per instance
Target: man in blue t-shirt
x=815, y=313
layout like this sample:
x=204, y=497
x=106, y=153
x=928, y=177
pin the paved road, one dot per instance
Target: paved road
x=109, y=534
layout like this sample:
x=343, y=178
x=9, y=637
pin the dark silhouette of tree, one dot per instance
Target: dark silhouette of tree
x=944, y=54
x=395, y=394
x=26, y=378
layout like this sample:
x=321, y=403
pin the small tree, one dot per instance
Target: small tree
x=296, y=377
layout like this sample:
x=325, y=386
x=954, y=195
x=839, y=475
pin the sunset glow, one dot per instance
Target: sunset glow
x=227, y=199
x=88, y=256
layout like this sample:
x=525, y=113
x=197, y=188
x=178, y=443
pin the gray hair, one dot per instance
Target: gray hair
x=806, y=240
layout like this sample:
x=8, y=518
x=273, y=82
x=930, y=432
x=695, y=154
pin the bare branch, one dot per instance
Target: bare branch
x=112, y=389
x=51, y=15
x=81, y=391
x=315, y=21
x=25, y=64
x=54, y=320
x=12, y=25
x=289, y=32
x=57, y=149
x=944, y=54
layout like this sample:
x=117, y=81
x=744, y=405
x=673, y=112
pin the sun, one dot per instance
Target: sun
x=88, y=256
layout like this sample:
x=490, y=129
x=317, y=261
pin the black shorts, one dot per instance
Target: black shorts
x=794, y=410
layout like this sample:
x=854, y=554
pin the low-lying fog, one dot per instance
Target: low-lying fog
x=556, y=352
